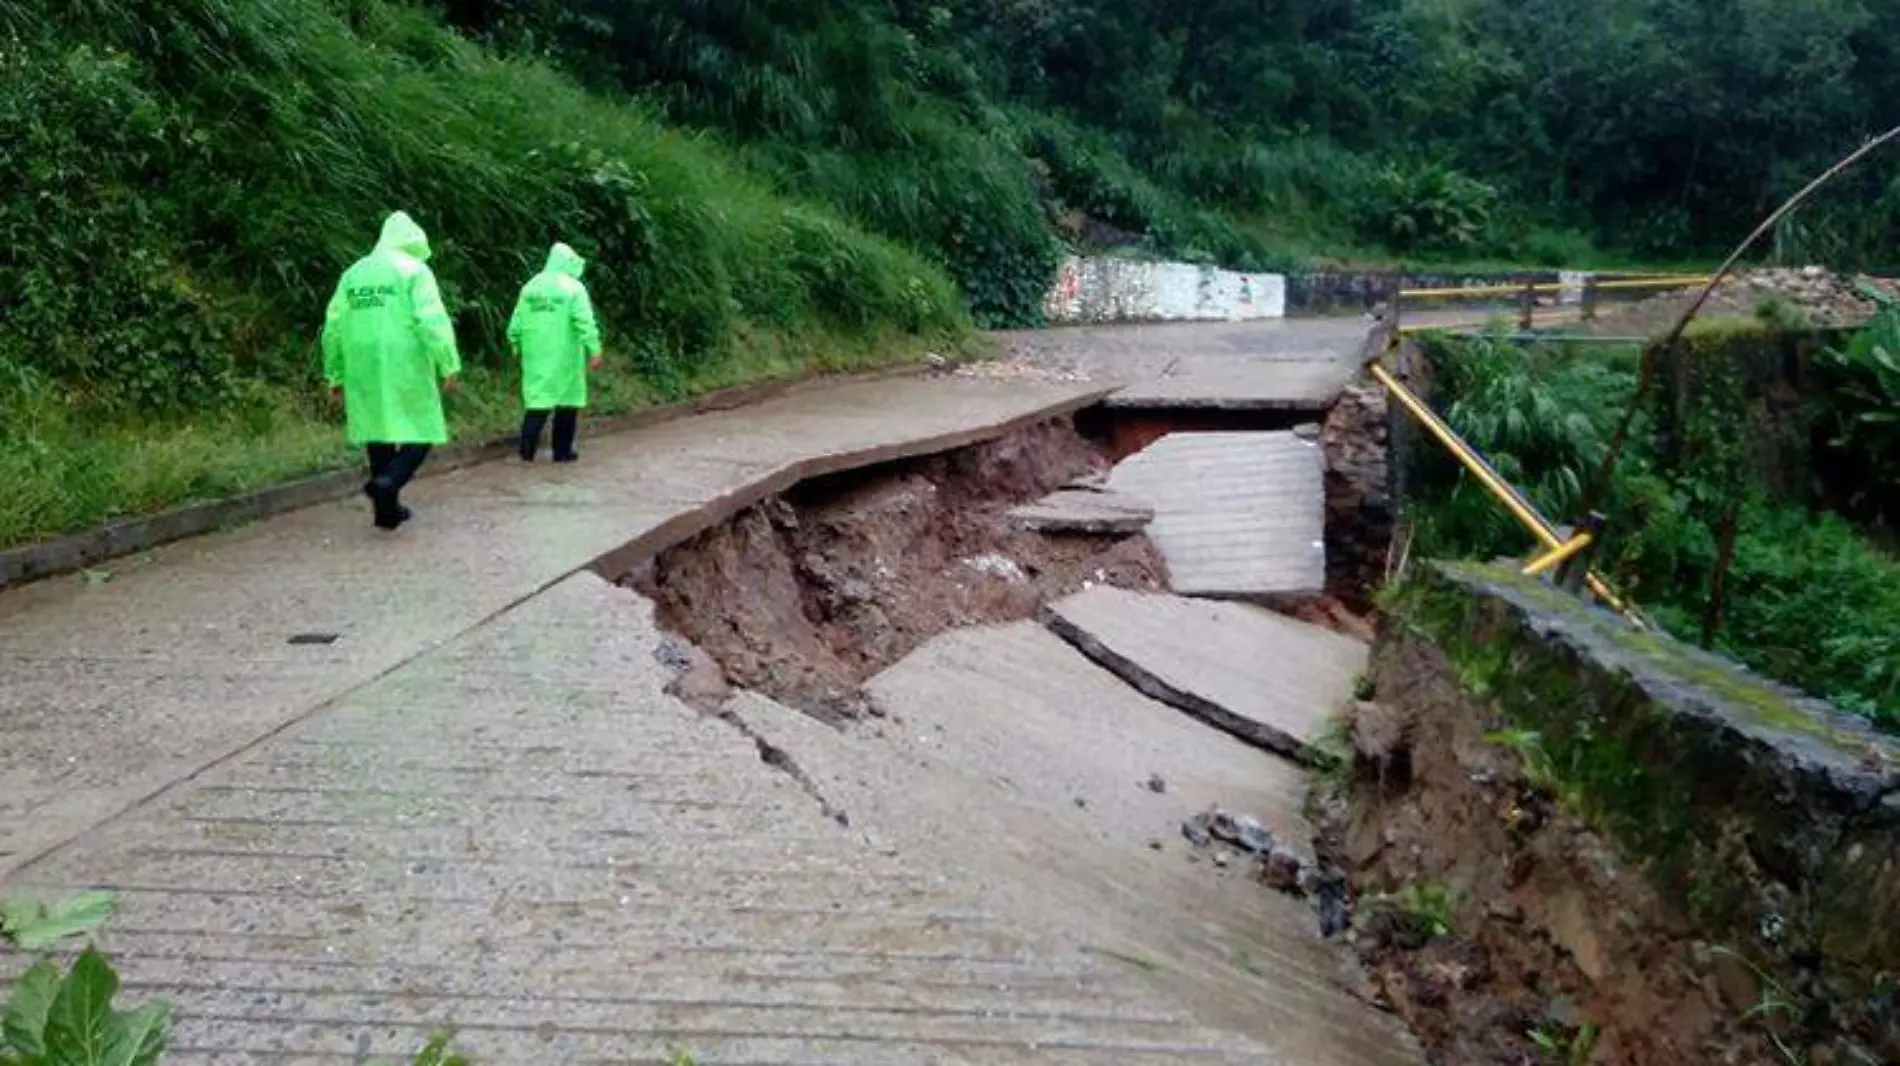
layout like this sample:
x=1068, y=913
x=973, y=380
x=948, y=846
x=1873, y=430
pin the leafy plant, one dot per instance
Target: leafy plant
x=1541, y=418
x=68, y=1020
x=1538, y=768
x=1433, y=206
x=1424, y=907
x=32, y=925
x=1773, y=1010
x=1563, y=1045
x=56, y=1017
x=1813, y=602
x=1869, y=365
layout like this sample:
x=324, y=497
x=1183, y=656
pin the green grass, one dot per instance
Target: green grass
x=69, y=472
x=210, y=167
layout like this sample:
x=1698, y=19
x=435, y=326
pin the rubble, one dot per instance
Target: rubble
x=1274, y=863
x=1819, y=296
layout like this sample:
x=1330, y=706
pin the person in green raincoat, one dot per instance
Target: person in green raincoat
x=554, y=332
x=389, y=354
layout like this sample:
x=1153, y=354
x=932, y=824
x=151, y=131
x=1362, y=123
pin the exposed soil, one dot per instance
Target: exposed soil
x=1360, y=515
x=1502, y=928
x=806, y=595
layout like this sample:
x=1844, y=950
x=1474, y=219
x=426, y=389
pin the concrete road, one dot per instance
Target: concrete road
x=116, y=691
x=476, y=806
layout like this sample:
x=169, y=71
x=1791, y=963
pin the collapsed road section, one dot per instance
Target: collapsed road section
x=502, y=813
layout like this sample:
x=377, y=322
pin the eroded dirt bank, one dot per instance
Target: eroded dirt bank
x=1498, y=925
x=1573, y=843
x=806, y=595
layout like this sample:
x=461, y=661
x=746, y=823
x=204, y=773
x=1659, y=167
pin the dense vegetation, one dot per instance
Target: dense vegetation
x=191, y=176
x=1812, y=600
x=767, y=184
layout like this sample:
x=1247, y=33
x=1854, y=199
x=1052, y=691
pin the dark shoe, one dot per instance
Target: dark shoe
x=403, y=514
x=570, y=458
x=382, y=498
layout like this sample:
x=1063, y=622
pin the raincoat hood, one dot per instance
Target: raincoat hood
x=565, y=260
x=401, y=234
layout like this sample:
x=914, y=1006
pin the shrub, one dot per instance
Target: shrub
x=1810, y=601
x=1431, y=207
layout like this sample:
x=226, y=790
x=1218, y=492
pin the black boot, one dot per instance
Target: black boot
x=386, y=512
x=566, y=426
x=531, y=423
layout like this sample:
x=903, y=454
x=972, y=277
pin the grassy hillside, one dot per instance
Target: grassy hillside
x=766, y=185
x=196, y=172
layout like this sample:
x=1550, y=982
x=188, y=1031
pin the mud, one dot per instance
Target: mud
x=1500, y=926
x=805, y=596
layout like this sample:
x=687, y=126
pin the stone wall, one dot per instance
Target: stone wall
x=1100, y=290
x=1694, y=864
x=1344, y=292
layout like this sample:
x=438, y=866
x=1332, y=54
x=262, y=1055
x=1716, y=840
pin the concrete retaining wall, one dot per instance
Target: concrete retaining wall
x=1338, y=292
x=1095, y=290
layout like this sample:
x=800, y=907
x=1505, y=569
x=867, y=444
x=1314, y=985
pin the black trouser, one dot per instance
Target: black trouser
x=566, y=424
x=392, y=466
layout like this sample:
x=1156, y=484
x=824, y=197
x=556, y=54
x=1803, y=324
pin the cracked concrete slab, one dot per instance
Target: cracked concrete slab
x=1265, y=678
x=1275, y=366
x=117, y=690
x=1013, y=765
x=1236, y=514
x=1310, y=384
x=518, y=834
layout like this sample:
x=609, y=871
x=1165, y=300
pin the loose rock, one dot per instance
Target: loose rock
x=1281, y=871
x=1195, y=830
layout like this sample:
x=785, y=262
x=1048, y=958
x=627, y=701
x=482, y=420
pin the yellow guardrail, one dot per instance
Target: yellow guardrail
x=1555, y=557
x=1661, y=281
x=1529, y=296
x=1556, y=550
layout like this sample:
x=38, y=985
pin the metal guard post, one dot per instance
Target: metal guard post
x=1502, y=490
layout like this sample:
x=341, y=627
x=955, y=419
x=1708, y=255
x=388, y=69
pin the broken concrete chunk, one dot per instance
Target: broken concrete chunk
x=996, y=565
x=1096, y=481
x=697, y=680
x=1241, y=831
x=1084, y=510
x=1260, y=676
x=1281, y=871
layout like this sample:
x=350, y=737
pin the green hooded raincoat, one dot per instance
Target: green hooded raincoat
x=388, y=342
x=555, y=333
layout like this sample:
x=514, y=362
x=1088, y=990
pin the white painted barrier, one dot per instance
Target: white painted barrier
x=1091, y=290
